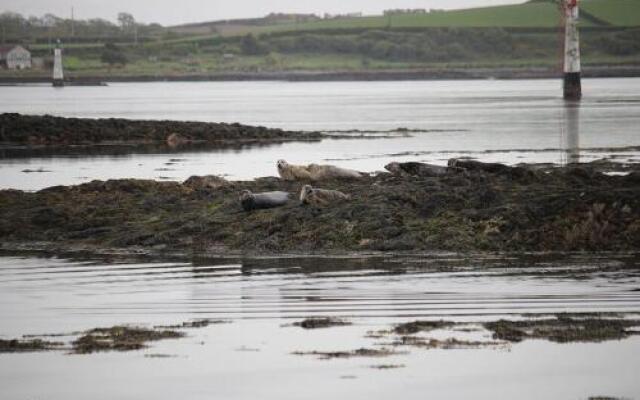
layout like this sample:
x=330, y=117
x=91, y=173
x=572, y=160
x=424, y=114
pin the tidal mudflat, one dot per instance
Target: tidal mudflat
x=229, y=327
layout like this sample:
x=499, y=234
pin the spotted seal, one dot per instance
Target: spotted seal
x=314, y=172
x=321, y=197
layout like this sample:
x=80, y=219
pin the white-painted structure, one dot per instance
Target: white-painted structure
x=58, y=74
x=572, y=84
x=15, y=57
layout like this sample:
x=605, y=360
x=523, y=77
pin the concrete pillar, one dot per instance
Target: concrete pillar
x=572, y=84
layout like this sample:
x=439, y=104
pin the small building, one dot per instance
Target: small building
x=15, y=57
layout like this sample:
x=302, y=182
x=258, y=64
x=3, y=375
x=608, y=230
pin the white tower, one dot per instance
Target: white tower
x=572, y=85
x=58, y=75
x=571, y=132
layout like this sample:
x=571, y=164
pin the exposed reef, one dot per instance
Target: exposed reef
x=115, y=338
x=478, y=209
x=120, y=338
x=316, y=323
x=27, y=345
x=49, y=132
x=564, y=329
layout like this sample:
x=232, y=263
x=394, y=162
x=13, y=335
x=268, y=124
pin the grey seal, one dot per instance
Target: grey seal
x=259, y=201
x=417, y=168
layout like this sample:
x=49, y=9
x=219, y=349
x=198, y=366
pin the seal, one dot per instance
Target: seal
x=516, y=172
x=207, y=182
x=321, y=197
x=314, y=172
x=259, y=201
x=319, y=172
x=416, y=168
x=290, y=172
x=472, y=165
x=176, y=140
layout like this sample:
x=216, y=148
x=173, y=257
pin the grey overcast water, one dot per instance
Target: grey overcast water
x=250, y=356
x=505, y=121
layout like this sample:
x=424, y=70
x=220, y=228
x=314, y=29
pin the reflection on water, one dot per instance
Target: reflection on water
x=570, y=133
x=251, y=357
x=38, y=295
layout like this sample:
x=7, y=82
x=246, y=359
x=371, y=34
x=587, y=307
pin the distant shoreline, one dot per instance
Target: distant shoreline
x=338, y=75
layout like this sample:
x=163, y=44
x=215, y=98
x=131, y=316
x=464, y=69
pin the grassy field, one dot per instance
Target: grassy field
x=530, y=15
x=538, y=14
x=615, y=12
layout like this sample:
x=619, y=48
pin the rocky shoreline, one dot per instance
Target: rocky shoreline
x=479, y=209
x=49, y=132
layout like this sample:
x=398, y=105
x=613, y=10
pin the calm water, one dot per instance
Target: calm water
x=250, y=357
x=505, y=121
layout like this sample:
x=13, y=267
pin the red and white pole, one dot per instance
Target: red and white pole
x=572, y=84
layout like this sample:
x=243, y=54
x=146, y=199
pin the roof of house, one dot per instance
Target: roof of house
x=5, y=49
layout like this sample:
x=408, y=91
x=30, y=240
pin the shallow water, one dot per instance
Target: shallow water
x=499, y=121
x=250, y=356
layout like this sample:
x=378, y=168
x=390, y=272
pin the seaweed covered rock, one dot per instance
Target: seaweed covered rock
x=560, y=209
x=48, y=130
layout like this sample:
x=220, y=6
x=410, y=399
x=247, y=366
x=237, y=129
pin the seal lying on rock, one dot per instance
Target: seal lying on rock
x=315, y=172
x=472, y=165
x=416, y=168
x=493, y=168
x=290, y=172
x=206, y=182
x=258, y=201
x=321, y=197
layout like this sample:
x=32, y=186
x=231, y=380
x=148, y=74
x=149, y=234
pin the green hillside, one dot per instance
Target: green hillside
x=533, y=14
x=615, y=12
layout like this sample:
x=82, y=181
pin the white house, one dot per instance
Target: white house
x=15, y=57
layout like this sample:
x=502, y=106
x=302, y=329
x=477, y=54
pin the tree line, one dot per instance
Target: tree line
x=16, y=28
x=439, y=44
